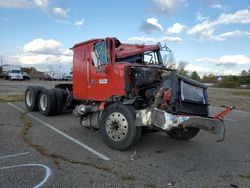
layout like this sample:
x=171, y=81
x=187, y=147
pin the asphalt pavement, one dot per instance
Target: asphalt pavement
x=38, y=151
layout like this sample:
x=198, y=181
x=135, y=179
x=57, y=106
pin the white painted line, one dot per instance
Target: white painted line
x=47, y=171
x=16, y=107
x=14, y=155
x=63, y=134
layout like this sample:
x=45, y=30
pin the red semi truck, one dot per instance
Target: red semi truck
x=120, y=88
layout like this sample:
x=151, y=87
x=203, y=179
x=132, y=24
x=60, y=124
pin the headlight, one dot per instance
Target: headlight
x=192, y=93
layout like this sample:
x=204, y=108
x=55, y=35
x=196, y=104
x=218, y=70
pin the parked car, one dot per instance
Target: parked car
x=44, y=77
x=67, y=77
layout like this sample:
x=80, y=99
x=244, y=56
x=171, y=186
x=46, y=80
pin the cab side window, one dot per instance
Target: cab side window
x=101, y=52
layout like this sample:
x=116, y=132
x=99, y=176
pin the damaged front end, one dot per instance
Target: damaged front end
x=181, y=103
x=167, y=121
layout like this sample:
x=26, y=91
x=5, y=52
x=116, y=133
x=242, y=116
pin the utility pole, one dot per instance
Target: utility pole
x=1, y=68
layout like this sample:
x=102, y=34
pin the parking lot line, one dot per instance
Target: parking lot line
x=14, y=155
x=93, y=151
x=47, y=171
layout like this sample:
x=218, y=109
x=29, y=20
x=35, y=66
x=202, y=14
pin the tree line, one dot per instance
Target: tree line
x=229, y=81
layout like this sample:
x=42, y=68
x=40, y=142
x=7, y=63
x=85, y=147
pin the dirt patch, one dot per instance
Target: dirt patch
x=128, y=178
x=244, y=176
x=11, y=98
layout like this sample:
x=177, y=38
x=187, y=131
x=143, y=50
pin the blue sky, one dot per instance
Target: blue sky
x=212, y=36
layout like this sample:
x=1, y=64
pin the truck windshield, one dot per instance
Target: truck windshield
x=15, y=71
x=150, y=57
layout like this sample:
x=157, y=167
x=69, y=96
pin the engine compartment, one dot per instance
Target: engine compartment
x=150, y=86
x=142, y=76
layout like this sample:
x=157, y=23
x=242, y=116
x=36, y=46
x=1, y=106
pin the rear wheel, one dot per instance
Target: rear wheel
x=31, y=97
x=117, y=126
x=183, y=134
x=60, y=100
x=47, y=102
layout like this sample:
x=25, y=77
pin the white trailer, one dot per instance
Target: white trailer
x=6, y=68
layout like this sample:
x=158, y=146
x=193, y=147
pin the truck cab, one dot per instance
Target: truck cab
x=14, y=75
x=102, y=65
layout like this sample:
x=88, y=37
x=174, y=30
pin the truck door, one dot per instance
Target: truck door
x=99, y=87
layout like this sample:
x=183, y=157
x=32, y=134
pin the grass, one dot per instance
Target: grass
x=241, y=93
x=11, y=98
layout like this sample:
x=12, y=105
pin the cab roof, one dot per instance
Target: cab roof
x=124, y=49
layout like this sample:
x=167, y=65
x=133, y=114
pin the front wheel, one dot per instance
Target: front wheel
x=183, y=134
x=117, y=126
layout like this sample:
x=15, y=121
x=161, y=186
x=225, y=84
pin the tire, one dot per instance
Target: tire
x=117, y=126
x=31, y=98
x=60, y=100
x=183, y=134
x=138, y=135
x=138, y=129
x=47, y=102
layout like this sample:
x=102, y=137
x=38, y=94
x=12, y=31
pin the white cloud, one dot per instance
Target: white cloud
x=15, y=3
x=9, y=58
x=227, y=60
x=216, y=6
x=144, y=39
x=176, y=28
x=205, y=60
x=202, y=30
x=167, y=7
x=34, y=59
x=205, y=30
x=41, y=3
x=200, y=69
x=241, y=16
x=40, y=51
x=231, y=34
x=231, y=72
x=154, y=22
x=233, y=59
x=200, y=17
x=205, y=70
x=42, y=46
x=19, y=4
x=79, y=23
x=151, y=25
x=60, y=12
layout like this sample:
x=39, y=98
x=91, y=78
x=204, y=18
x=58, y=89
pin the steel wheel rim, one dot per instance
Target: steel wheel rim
x=116, y=126
x=43, y=102
x=28, y=98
